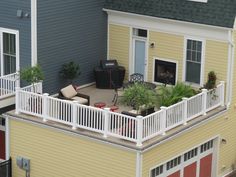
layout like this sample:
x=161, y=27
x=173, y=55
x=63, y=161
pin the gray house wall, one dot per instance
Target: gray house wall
x=71, y=30
x=8, y=19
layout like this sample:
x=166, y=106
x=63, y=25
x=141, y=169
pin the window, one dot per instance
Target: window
x=190, y=154
x=140, y=32
x=193, y=61
x=9, y=53
x=173, y=163
x=157, y=171
x=206, y=146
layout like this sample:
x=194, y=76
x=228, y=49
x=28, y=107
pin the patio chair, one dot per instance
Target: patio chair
x=119, y=90
x=69, y=93
x=136, y=77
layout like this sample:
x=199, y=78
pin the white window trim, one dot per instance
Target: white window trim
x=168, y=60
x=16, y=33
x=186, y=38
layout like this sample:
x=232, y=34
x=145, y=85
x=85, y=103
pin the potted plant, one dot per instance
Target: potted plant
x=33, y=75
x=211, y=81
x=70, y=71
x=140, y=97
x=168, y=96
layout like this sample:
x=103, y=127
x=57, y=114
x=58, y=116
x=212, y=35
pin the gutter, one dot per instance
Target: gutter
x=230, y=68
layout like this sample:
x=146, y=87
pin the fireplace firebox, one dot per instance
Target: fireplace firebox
x=165, y=72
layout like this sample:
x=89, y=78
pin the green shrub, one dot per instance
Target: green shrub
x=138, y=95
x=70, y=71
x=211, y=82
x=170, y=95
x=32, y=75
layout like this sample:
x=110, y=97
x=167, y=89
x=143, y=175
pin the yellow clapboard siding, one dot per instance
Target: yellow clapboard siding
x=49, y=149
x=216, y=59
x=167, y=46
x=119, y=42
x=219, y=127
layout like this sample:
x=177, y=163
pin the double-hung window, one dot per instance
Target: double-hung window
x=194, y=59
x=9, y=54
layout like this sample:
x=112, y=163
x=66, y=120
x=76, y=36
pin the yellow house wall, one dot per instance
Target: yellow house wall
x=167, y=46
x=54, y=153
x=119, y=43
x=223, y=126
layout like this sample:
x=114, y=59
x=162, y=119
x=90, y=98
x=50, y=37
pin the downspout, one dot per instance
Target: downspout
x=34, y=54
x=139, y=159
x=7, y=138
x=230, y=68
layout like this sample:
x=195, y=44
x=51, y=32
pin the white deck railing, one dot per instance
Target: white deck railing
x=8, y=83
x=136, y=129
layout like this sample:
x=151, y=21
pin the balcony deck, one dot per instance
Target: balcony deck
x=106, y=95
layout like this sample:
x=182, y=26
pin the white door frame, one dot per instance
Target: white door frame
x=10, y=31
x=136, y=38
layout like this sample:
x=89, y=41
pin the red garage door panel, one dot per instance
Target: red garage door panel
x=205, y=166
x=176, y=174
x=190, y=170
x=2, y=145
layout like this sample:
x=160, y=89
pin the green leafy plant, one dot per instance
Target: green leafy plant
x=70, y=71
x=139, y=97
x=168, y=96
x=32, y=75
x=211, y=82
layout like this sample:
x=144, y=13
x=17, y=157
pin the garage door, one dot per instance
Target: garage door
x=195, y=163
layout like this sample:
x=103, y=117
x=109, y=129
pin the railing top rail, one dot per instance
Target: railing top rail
x=9, y=75
x=153, y=114
x=176, y=104
x=199, y=94
x=123, y=115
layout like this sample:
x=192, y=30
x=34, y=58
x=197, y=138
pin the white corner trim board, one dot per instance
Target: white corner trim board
x=34, y=54
x=167, y=25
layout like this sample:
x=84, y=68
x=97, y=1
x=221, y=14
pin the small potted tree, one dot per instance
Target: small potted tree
x=33, y=75
x=70, y=71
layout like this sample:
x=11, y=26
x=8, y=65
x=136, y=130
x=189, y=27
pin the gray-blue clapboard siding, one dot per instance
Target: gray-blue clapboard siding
x=8, y=19
x=71, y=30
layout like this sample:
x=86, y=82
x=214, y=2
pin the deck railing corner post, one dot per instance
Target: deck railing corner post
x=44, y=106
x=74, y=115
x=222, y=93
x=163, y=120
x=204, y=101
x=106, y=119
x=185, y=100
x=17, y=102
x=139, y=130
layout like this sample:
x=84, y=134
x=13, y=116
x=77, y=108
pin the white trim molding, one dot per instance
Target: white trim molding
x=186, y=38
x=167, y=60
x=7, y=138
x=16, y=33
x=167, y=25
x=34, y=48
x=139, y=159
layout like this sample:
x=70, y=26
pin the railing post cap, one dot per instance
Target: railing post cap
x=46, y=94
x=222, y=82
x=107, y=109
x=163, y=107
x=204, y=90
x=139, y=117
x=184, y=98
x=74, y=101
x=17, y=88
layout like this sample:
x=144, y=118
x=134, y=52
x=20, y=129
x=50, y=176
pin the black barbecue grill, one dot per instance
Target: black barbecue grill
x=109, y=74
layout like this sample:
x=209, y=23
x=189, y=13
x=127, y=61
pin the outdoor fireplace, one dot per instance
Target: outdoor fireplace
x=165, y=72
